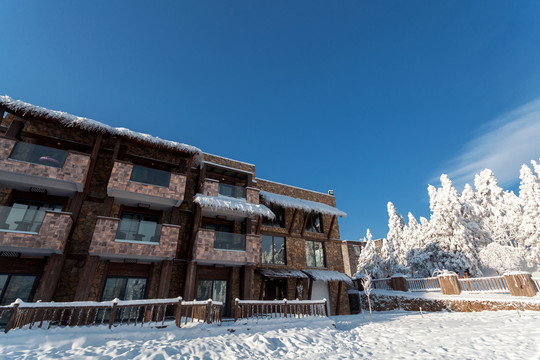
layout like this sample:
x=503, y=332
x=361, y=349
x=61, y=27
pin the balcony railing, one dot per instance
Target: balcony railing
x=229, y=241
x=38, y=154
x=147, y=233
x=21, y=218
x=33, y=231
x=150, y=176
x=232, y=191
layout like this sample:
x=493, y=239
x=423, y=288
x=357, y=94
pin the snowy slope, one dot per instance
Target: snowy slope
x=393, y=335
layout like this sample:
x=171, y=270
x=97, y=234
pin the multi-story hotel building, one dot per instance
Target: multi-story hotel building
x=91, y=212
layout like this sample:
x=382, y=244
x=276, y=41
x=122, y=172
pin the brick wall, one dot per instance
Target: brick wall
x=104, y=244
x=252, y=195
x=203, y=250
x=210, y=187
x=52, y=236
x=121, y=174
x=74, y=170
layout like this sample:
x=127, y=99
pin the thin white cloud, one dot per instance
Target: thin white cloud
x=503, y=145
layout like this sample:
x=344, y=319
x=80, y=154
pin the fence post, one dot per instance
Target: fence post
x=113, y=313
x=520, y=284
x=236, y=309
x=325, y=307
x=179, y=312
x=13, y=318
x=208, y=311
x=399, y=283
x=285, y=307
x=449, y=284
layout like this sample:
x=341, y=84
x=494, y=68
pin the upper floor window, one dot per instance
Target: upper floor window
x=138, y=227
x=357, y=250
x=279, y=220
x=315, y=254
x=38, y=154
x=232, y=191
x=314, y=222
x=273, y=250
x=150, y=176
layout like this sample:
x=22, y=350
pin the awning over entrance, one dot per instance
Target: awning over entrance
x=328, y=275
x=282, y=273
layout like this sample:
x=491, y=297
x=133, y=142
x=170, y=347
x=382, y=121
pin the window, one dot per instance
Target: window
x=150, y=176
x=13, y=287
x=314, y=222
x=273, y=250
x=25, y=215
x=124, y=288
x=37, y=154
x=315, y=254
x=357, y=250
x=232, y=191
x=138, y=227
x=279, y=221
x=213, y=289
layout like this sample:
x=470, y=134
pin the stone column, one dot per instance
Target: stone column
x=50, y=277
x=86, y=277
x=521, y=284
x=449, y=284
x=190, y=286
x=399, y=283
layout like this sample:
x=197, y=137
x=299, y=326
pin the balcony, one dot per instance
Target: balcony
x=34, y=232
x=152, y=244
x=132, y=185
x=24, y=166
x=215, y=247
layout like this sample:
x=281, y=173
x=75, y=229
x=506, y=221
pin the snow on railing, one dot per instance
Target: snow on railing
x=382, y=284
x=112, y=313
x=424, y=284
x=279, y=308
x=493, y=284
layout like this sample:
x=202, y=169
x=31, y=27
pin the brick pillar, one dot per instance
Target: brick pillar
x=164, y=279
x=399, y=283
x=85, y=280
x=190, y=284
x=521, y=284
x=49, y=279
x=449, y=284
x=248, y=282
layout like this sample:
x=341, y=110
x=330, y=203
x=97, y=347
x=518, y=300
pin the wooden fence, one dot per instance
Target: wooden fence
x=382, y=284
x=493, y=284
x=112, y=313
x=279, y=308
x=425, y=284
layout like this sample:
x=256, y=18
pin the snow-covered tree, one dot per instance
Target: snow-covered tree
x=501, y=258
x=447, y=227
x=396, y=243
x=370, y=259
x=529, y=198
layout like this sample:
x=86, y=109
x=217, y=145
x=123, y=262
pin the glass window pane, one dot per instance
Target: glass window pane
x=319, y=254
x=204, y=290
x=114, y=288
x=310, y=255
x=220, y=291
x=38, y=154
x=135, y=289
x=279, y=250
x=267, y=257
x=150, y=176
x=18, y=287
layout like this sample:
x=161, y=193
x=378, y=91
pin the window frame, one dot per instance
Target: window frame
x=314, y=255
x=272, y=237
x=275, y=223
x=310, y=223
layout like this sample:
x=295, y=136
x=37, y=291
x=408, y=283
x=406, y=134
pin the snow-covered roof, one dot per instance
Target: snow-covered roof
x=328, y=275
x=282, y=273
x=237, y=205
x=301, y=204
x=25, y=109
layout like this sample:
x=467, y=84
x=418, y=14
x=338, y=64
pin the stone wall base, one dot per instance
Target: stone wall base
x=387, y=303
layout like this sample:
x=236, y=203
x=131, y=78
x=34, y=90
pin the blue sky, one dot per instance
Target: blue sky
x=373, y=99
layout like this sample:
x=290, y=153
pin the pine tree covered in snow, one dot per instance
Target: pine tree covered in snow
x=397, y=248
x=370, y=259
x=501, y=258
x=529, y=198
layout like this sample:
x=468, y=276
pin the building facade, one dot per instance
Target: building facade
x=91, y=212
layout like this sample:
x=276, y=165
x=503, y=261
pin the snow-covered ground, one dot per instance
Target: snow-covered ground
x=392, y=335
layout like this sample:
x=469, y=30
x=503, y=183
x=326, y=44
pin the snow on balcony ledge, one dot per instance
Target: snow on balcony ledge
x=301, y=204
x=237, y=205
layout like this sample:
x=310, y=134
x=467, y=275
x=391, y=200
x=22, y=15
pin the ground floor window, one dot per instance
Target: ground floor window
x=213, y=289
x=13, y=287
x=124, y=288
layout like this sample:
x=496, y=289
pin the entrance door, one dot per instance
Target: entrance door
x=213, y=289
x=320, y=291
x=276, y=289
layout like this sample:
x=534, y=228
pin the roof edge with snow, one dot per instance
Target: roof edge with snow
x=301, y=204
x=21, y=108
x=237, y=205
x=328, y=275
